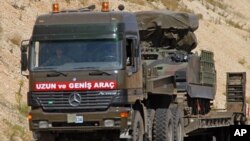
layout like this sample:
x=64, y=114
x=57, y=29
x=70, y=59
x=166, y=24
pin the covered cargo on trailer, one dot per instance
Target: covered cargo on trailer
x=168, y=29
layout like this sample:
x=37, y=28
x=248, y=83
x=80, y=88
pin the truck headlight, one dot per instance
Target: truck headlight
x=43, y=124
x=109, y=123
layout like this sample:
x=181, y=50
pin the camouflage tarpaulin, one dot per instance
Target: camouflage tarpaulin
x=168, y=29
x=167, y=20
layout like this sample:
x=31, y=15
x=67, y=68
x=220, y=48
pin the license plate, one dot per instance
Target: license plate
x=79, y=119
x=73, y=118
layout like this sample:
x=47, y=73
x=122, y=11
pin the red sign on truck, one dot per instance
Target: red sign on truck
x=80, y=85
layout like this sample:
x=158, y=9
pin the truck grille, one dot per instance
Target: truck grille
x=58, y=101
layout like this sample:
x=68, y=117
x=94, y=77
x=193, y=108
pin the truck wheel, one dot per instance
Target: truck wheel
x=46, y=136
x=162, y=127
x=138, y=127
x=151, y=115
x=178, y=124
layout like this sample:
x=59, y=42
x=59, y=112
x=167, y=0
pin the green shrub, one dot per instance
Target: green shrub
x=21, y=106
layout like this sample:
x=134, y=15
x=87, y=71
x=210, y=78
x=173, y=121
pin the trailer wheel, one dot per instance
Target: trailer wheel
x=46, y=136
x=178, y=124
x=138, y=127
x=163, y=125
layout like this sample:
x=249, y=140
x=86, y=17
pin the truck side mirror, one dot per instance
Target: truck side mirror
x=132, y=54
x=24, y=57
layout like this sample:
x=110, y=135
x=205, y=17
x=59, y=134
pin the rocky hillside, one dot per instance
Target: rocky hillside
x=224, y=29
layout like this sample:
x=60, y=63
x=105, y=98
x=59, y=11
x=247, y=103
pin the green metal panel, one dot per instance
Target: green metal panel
x=207, y=68
x=236, y=91
x=207, y=78
x=207, y=56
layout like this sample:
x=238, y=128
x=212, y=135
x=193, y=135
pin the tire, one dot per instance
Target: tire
x=138, y=127
x=222, y=134
x=163, y=125
x=46, y=136
x=178, y=124
x=151, y=115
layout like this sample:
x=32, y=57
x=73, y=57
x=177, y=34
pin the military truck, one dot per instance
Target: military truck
x=115, y=75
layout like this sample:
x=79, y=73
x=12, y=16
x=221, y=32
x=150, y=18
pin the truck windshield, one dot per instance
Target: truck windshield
x=78, y=54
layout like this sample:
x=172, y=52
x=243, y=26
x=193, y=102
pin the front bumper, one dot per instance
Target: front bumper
x=92, y=121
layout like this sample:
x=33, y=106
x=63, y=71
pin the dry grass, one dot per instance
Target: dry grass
x=139, y=2
x=17, y=6
x=67, y=1
x=217, y=3
x=248, y=100
x=21, y=106
x=233, y=24
x=185, y=9
x=16, y=132
x=200, y=16
x=84, y=2
x=224, y=93
x=242, y=61
x=171, y=4
x=1, y=31
x=16, y=39
x=238, y=14
x=176, y=6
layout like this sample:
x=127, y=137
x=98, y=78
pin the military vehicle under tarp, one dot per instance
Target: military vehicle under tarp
x=167, y=39
x=168, y=29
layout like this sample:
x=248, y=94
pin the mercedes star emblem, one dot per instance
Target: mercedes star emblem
x=75, y=99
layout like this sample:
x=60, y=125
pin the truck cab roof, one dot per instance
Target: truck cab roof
x=86, y=18
x=78, y=25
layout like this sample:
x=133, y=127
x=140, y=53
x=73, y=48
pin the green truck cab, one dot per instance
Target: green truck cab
x=83, y=72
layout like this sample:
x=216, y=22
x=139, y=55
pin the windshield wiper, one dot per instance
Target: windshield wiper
x=87, y=68
x=95, y=70
x=56, y=74
x=44, y=68
x=99, y=72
